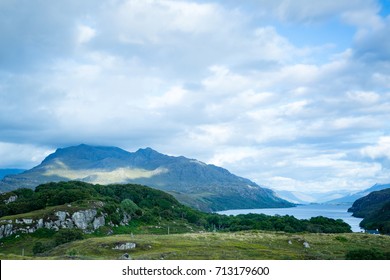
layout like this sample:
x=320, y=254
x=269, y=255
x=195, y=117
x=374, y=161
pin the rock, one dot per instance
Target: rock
x=125, y=246
x=40, y=223
x=61, y=215
x=289, y=242
x=98, y=222
x=125, y=256
x=126, y=219
x=6, y=230
x=11, y=199
x=306, y=244
x=83, y=218
x=49, y=224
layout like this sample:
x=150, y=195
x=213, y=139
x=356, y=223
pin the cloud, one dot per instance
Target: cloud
x=372, y=44
x=85, y=34
x=380, y=150
x=21, y=155
x=225, y=82
x=309, y=11
x=363, y=97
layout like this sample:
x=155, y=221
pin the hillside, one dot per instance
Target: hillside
x=375, y=209
x=58, y=213
x=194, y=183
x=55, y=216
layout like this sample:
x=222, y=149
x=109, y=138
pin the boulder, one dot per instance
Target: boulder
x=125, y=246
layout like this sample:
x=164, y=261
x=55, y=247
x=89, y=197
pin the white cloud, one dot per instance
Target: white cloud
x=310, y=11
x=363, y=97
x=14, y=155
x=85, y=34
x=380, y=150
x=152, y=21
x=207, y=80
x=174, y=96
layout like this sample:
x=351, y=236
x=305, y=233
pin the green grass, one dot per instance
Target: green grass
x=205, y=246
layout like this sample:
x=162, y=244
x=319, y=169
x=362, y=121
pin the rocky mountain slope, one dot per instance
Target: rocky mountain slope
x=194, y=183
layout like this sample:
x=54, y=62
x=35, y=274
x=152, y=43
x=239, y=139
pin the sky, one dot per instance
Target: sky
x=294, y=95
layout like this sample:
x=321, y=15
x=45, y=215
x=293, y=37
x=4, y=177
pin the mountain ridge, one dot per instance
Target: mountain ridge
x=202, y=186
x=351, y=198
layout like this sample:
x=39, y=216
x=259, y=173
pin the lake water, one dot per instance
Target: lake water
x=307, y=212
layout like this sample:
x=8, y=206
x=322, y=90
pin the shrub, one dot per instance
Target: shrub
x=40, y=247
x=67, y=235
x=44, y=233
x=367, y=254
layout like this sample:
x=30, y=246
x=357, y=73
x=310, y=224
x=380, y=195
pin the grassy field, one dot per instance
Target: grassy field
x=248, y=245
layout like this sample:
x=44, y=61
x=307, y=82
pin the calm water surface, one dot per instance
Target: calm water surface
x=307, y=212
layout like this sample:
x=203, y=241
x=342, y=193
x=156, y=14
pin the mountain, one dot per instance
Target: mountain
x=350, y=198
x=375, y=209
x=9, y=171
x=194, y=183
x=310, y=197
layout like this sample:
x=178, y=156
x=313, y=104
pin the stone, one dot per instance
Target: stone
x=6, y=230
x=126, y=219
x=83, y=218
x=49, y=224
x=306, y=244
x=125, y=246
x=289, y=242
x=12, y=198
x=125, y=256
x=61, y=215
x=98, y=222
x=40, y=223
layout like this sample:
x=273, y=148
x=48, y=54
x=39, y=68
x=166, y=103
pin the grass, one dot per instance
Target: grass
x=248, y=245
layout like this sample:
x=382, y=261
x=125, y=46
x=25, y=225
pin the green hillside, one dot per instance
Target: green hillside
x=40, y=221
x=375, y=209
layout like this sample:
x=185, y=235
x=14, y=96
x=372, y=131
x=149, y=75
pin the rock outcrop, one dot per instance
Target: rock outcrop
x=88, y=220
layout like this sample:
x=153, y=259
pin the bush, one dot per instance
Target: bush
x=129, y=206
x=67, y=235
x=44, y=233
x=367, y=254
x=40, y=247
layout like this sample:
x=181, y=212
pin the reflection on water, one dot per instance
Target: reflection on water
x=306, y=212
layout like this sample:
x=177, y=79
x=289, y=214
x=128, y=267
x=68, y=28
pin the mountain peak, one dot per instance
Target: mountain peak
x=200, y=185
x=75, y=156
x=147, y=150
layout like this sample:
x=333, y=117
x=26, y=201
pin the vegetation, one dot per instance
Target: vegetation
x=150, y=206
x=375, y=209
x=244, y=245
x=161, y=227
x=367, y=254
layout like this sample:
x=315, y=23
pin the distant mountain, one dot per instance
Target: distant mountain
x=352, y=197
x=375, y=209
x=310, y=197
x=194, y=183
x=9, y=171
